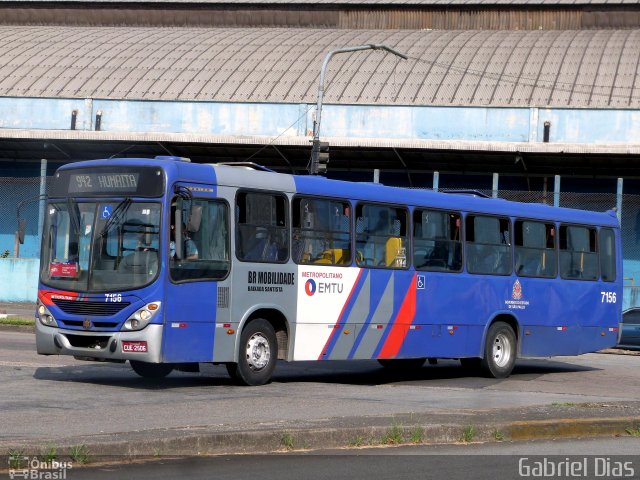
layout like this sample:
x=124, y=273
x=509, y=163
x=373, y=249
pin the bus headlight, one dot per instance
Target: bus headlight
x=142, y=317
x=45, y=317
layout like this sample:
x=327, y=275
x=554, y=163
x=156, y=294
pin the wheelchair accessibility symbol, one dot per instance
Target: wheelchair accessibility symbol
x=106, y=211
x=421, y=283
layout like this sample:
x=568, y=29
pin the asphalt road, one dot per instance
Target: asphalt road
x=51, y=398
x=588, y=458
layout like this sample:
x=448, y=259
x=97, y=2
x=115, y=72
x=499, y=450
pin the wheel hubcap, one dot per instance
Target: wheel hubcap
x=501, y=350
x=258, y=351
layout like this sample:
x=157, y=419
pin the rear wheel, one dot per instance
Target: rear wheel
x=500, y=351
x=257, y=356
x=151, y=370
x=402, y=363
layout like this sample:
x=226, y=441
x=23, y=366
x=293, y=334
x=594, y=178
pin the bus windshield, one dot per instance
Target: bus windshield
x=98, y=246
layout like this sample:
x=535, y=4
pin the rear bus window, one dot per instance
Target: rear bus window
x=535, y=254
x=437, y=242
x=381, y=236
x=321, y=232
x=607, y=255
x=488, y=245
x=578, y=255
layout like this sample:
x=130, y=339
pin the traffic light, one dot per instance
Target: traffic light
x=323, y=158
x=319, y=157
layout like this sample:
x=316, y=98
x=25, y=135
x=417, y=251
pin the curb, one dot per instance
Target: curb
x=191, y=442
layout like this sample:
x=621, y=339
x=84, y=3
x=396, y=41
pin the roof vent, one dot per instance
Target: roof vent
x=171, y=158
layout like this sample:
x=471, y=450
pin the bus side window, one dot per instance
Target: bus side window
x=321, y=232
x=488, y=245
x=207, y=258
x=262, y=233
x=535, y=254
x=578, y=255
x=381, y=236
x=607, y=255
x=436, y=241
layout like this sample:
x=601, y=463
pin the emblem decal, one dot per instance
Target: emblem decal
x=86, y=324
x=516, y=293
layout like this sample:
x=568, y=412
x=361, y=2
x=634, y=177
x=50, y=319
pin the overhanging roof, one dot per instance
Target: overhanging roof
x=573, y=69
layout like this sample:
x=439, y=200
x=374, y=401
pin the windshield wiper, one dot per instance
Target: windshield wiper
x=74, y=215
x=116, y=216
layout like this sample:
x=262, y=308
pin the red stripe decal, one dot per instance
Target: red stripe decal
x=400, y=327
x=47, y=296
x=335, y=327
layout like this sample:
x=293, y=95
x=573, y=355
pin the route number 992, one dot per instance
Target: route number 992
x=608, y=297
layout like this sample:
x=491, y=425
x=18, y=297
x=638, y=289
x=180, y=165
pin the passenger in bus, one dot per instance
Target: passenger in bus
x=189, y=249
x=262, y=249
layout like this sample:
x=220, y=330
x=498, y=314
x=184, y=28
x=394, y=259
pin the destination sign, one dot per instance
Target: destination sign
x=135, y=181
x=103, y=182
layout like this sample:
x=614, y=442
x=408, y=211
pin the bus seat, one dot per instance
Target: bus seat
x=395, y=253
x=333, y=256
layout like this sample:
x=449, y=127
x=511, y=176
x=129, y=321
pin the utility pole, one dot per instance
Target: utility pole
x=320, y=151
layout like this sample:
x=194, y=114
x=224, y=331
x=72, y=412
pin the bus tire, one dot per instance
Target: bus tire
x=402, y=363
x=257, y=356
x=151, y=370
x=500, y=351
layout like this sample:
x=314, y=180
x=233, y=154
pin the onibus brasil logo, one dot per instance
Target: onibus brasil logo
x=35, y=468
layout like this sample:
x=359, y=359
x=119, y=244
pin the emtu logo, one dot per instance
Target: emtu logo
x=310, y=287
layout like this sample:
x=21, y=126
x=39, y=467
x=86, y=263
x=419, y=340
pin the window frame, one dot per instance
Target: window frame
x=351, y=231
x=560, y=250
x=461, y=241
x=407, y=212
x=287, y=225
x=466, y=242
x=225, y=203
x=556, y=247
x=615, y=247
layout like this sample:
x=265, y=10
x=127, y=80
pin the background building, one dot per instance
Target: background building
x=529, y=91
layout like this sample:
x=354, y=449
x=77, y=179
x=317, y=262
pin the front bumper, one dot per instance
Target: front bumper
x=99, y=345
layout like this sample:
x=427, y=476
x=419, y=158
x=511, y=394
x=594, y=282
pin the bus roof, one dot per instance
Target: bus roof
x=372, y=192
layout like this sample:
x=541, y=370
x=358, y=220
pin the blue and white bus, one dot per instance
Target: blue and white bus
x=168, y=264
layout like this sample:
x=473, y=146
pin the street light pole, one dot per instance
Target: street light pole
x=315, y=150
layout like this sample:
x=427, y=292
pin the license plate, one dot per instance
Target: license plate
x=137, y=347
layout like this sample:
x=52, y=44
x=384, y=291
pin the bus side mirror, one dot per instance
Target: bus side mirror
x=22, y=226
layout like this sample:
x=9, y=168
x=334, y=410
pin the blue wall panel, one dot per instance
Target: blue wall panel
x=201, y=117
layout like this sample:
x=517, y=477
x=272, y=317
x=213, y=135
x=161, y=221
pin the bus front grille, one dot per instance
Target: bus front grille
x=74, y=307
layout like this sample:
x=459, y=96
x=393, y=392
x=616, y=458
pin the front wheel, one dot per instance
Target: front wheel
x=257, y=356
x=151, y=370
x=500, y=351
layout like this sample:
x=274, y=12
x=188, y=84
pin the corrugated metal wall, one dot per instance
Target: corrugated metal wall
x=514, y=17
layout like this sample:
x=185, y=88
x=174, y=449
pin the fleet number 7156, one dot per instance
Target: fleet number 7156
x=608, y=297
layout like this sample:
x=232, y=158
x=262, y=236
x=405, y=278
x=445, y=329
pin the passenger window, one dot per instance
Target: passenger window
x=262, y=233
x=535, y=254
x=488, y=245
x=321, y=232
x=381, y=236
x=578, y=257
x=437, y=242
x=205, y=241
x=607, y=255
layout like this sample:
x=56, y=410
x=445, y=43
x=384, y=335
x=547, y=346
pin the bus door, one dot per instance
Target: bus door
x=198, y=258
